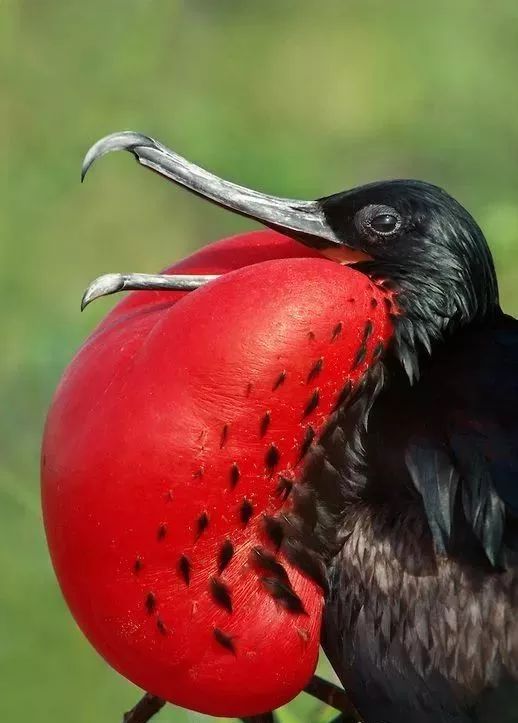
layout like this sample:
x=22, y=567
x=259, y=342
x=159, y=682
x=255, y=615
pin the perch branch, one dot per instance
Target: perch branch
x=145, y=709
x=319, y=688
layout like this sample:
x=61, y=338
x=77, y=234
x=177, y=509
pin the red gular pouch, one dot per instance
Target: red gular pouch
x=173, y=438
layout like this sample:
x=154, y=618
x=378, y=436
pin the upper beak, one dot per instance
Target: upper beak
x=303, y=220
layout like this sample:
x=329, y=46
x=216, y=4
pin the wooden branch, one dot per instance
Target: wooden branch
x=145, y=709
x=319, y=688
x=149, y=705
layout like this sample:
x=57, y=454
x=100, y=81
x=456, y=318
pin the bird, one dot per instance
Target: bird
x=421, y=620
x=411, y=498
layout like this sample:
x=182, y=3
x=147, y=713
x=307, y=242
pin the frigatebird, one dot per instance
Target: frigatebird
x=413, y=502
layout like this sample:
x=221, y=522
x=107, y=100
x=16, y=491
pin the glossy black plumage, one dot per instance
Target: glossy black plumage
x=420, y=622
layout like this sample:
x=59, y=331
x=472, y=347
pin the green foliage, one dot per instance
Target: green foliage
x=296, y=97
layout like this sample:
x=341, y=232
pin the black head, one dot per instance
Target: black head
x=424, y=242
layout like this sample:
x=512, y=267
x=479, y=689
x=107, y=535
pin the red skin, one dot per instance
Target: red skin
x=165, y=396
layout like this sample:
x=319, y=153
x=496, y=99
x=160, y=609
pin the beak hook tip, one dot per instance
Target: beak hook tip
x=119, y=141
x=102, y=286
x=87, y=298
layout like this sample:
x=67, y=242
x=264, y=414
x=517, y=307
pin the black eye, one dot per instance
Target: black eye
x=385, y=223
x=377, y=221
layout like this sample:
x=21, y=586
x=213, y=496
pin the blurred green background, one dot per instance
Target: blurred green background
x=297, y=98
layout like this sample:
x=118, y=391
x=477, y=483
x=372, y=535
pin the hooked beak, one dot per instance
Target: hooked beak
x=304, y=221
x=112, y=283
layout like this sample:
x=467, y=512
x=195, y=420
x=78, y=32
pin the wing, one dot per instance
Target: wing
x=463, y=453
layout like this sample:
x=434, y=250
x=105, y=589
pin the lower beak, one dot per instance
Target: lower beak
x=112, y=283
x=304, y=221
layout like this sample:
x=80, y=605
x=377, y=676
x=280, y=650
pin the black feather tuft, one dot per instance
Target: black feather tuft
x=337, y=331
x=226, y=553
x=272, y=457
x=221, y=594
x=274, y=529
x=344, y=394
x=246, y=511
x=265, y=423
x=280, y=380
x=360, y=357
x=235, y=474
x=138, y=565
x=309, y=436
x=224, y=436
x=309, y=562
x=378, y=351
x=161, y=626
x=315, y=369
x=226, y=641
x=367, y=331
x=266, y=561
x=312, y=403
x=202, y=523
x=283, y=594
x=150, y=603
x=184, y=568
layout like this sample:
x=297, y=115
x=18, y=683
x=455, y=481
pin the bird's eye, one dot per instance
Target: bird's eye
x=378, y=221
x=385, y=223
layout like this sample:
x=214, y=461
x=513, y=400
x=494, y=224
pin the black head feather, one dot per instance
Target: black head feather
x=427, y=245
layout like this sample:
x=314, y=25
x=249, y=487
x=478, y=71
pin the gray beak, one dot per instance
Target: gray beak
x=302, y=220
x=295, y=218
x=112, y=283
